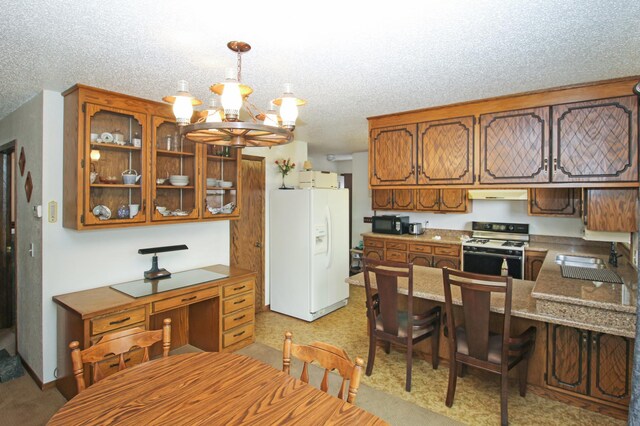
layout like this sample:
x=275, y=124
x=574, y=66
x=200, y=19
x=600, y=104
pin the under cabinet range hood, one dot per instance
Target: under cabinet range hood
x=498, y=194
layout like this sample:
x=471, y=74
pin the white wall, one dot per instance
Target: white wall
x=77, y=260
x=297, y=152
x=320, y=162
x=361, y=197
x=25, y=126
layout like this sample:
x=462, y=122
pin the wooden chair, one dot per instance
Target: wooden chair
x=392, y=325
x=118, y=343
x=473, y=343
x=330, y=358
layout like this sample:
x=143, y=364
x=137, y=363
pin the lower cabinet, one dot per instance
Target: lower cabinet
x=533, y=263
x=238, y=312
x=420, y=254
x=589, y=363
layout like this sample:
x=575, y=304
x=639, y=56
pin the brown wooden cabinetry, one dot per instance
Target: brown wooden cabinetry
x=514, y=146
x=421, y=254
x=533, y=263
x=613, y=210
x=590, y=363
x=109, y=135
x=392, y=155
x=445, y=151
x=596, y=141
x=392, y=199
x=564, y=202
x=443, y=200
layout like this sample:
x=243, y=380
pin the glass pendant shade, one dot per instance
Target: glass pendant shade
x=288, y=112
x=183, y=103
x=271, y=116
x=231, y=97
x=214, y=115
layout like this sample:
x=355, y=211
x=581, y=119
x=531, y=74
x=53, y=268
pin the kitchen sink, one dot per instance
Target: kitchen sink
x=580, y=261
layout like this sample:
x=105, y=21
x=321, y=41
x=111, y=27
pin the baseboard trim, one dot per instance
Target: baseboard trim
x=34, y=376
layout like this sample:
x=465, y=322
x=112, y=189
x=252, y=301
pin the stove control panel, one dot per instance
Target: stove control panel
x=513, y=228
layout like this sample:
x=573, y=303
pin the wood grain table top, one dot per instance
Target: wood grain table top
x=207, y=388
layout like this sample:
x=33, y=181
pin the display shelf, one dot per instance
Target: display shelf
x=113, y=146
x=175, y=153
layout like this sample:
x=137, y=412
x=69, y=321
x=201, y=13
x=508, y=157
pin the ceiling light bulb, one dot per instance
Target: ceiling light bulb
x=231, y=98
x=271, y=116
x=183, y=103
x=288, y=108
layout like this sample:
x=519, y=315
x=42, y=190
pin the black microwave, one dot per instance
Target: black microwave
x=390, y=224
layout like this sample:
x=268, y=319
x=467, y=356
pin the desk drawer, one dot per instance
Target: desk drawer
x=396, y=246
x=234, y=336
x=233, y=289
x=420, y=248
x=396, y=256
x=237, y=303
x=119, y=320
x=447, y=250
x=238, y=318
x=185, y=299
x=110, y=365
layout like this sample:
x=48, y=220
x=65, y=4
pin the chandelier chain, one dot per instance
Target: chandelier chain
x=239, y=66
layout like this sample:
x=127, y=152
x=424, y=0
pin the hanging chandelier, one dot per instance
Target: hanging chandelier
x=220, y=123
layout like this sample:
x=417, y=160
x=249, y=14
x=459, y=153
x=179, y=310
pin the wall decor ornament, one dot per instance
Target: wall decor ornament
x=22, y=161
x=28, y=186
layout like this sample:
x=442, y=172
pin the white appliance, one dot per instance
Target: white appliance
x=309, y=251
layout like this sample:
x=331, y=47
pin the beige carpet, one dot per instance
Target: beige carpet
x=23, y=403
x=477, y=400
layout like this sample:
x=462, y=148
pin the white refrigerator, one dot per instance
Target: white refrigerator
x=309, y=251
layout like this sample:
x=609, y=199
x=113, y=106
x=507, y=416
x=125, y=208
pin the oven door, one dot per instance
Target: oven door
x=491, y=263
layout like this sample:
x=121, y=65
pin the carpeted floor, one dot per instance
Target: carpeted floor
x=477, y=401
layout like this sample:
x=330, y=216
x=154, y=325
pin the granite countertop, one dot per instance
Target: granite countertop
x=427, y=237
x=608, y=308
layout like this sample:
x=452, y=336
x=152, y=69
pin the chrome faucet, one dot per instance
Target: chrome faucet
x=613, y=255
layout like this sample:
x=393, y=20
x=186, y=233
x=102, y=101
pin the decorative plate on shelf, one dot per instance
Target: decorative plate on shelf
x=106, y=137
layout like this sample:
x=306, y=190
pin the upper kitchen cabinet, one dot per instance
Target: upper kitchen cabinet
x=174, y=175
x=106, y=159
x=514, y=147
x=563, y=202
x=392, y=156
x=613, y=210
x=392, y=199
x=445, y=151
x=443, y=200
x=596, y=141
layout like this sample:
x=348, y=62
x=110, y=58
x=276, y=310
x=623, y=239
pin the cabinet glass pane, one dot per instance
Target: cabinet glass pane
x=174, y=173
x=114, y=151
x=221, y=181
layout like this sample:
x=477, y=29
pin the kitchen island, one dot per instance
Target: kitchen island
x=585, y=330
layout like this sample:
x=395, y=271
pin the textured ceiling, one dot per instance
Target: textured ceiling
x=349, y=60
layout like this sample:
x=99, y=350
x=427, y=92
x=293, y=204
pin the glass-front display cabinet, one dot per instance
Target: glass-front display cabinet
x=221, y=180
x=174, y=175
x=114, y=184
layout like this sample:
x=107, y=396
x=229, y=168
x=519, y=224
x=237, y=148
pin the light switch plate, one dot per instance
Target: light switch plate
x=53, y=212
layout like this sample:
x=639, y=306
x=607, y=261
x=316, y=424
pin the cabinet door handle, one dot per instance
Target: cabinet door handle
x=190, y=298
x=238, y=334
x=120, y=321
x=413, y=170
x=584, y=341
x=594, y=341
x=239, y=301
x=239, y=288
x=555, y=164
x=144, y=205
x=546, y=165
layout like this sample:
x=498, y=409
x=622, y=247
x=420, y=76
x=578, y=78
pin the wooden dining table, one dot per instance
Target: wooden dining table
x=207, y=388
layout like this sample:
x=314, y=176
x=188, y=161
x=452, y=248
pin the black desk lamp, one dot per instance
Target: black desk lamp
x=156, y=273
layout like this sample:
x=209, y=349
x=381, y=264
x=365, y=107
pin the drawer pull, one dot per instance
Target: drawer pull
x=117, y=364
x=189, y=298
x=120, y=321
x=239, y=301
x=239, y=318
x=239, y=334
x=239, y=288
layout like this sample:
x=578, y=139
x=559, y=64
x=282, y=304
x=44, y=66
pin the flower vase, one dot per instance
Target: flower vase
x=283, y=187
